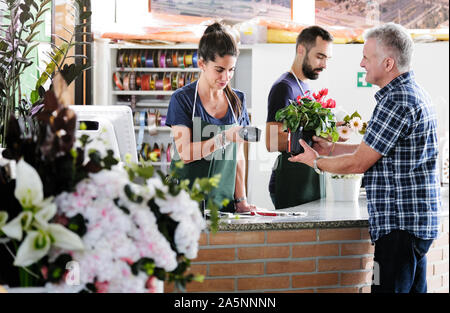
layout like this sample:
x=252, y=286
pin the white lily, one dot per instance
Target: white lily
x=41, y=234
x=44, y=215
x=38, y=243
x=29, y=189
x=14, y=229
x=64, y=238
x=60, y=236
x=35, y=246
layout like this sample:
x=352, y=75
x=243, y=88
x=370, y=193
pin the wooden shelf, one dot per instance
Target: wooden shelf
x=142, y=92
x=148, y=105
x=127, y=45
x=158, y=128
x=157, y=69
x=152, y=105
x=171, y=46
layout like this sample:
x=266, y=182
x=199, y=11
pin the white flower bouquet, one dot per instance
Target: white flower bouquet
x=107, y=227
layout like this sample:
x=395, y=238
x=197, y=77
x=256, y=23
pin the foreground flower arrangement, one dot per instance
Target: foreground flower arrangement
x=112, y=227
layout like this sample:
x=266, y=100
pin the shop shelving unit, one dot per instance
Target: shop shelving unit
x=106, y=55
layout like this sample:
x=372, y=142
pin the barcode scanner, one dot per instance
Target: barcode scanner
x=250, y=133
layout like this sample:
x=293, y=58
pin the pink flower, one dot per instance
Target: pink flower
x=44, y=272
x=102, y=287
x=127, y=260
x=344, y=132
x=151, y=284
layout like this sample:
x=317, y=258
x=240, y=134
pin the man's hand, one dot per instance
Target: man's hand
x=307, y=157
x=321, y=145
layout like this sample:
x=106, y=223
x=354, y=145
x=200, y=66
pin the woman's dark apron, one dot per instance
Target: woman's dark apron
x=221, y=161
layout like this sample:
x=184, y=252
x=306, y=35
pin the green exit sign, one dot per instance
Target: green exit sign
x=361, y=80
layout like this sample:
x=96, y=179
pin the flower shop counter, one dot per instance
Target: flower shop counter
x=316, y=214
x=328, y=250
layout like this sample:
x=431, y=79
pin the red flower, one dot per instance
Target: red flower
x=331, y=104
x=299, y=100
x=322, y=93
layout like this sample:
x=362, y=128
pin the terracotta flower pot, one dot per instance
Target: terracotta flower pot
x=294, y=146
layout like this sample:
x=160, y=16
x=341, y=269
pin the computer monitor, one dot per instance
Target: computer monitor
x=113, y=124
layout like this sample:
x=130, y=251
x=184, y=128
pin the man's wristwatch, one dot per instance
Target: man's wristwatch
x=318, y=170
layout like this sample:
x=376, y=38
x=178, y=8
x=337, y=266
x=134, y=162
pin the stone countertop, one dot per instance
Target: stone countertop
x=316, y=214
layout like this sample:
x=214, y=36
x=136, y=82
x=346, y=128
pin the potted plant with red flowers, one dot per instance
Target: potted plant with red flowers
x=306, y=117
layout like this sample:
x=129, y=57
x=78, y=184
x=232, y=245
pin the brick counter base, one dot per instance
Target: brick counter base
x=309, y=260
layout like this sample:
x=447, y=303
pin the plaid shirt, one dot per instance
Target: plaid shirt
x=403, y=188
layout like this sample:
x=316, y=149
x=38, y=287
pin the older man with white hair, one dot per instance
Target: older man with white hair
x=399, y=158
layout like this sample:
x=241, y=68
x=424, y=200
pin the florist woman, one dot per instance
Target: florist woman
x=206, y=116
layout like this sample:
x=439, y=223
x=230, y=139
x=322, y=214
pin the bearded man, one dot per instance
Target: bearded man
x=292, y=184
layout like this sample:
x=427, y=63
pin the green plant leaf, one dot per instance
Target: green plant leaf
x=40, y=13
x=50, y=69
x=34, y=97
x=44, y=3
x=3, y=46
x=71, y=72
x=34, y=25
x=60, y=38
x=31, y=36
x=335, y=136
x=29, y=49
x=24, y=7
x=42, y=79
x=34, y=4
x=355, y=114
x=145, y=172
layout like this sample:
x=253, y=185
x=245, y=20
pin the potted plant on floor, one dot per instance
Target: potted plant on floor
x=308, y=116
x=19, y=27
